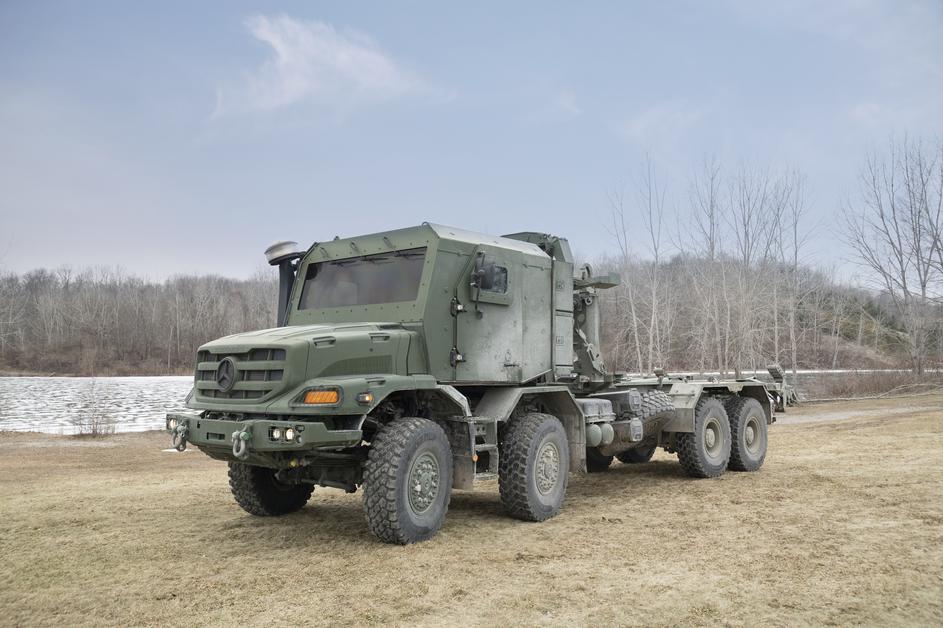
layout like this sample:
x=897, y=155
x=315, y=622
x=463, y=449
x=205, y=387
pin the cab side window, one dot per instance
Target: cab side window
x=499, y=285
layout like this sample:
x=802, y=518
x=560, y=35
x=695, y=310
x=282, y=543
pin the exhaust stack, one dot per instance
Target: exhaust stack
x=285, y=255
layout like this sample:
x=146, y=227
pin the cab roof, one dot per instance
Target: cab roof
x=413, y=237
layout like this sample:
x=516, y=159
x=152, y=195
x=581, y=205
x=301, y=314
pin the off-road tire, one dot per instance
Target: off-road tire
x=698, y=457
x=259, y=493
x=637, y=455
x=387, y=502
x=595, y=461
x=654, y=402
x=747, y=418
x=529, y=441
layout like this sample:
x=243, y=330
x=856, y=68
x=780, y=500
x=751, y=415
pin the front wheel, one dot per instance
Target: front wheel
x=407, y=481
x=595, y=461
x=637, y=455
x=704, y=453
x=259, y=492
x=533, y=466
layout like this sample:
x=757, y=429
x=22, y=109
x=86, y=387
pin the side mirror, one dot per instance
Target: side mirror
x=483, y=276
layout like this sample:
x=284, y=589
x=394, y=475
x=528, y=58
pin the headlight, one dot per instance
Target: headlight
x=289, y=433
x=277, y=433
x=172, y=424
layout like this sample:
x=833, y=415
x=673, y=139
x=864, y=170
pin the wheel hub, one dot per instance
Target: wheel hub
x=547, y=468
x=713, y=437
x=423, y=483
x=752, y=435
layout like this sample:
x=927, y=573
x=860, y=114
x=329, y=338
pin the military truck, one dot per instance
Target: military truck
x=415, y=362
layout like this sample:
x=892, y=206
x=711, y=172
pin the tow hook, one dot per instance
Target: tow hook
x=239, y=444
x=179, y=438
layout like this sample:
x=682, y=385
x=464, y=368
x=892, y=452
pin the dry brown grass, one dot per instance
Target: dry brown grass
x=843, y=525
x=869, y=384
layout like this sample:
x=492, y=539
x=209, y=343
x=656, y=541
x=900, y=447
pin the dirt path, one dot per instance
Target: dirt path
x=842, y=410
x=843, y=525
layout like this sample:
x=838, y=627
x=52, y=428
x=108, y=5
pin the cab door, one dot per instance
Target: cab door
x=489, y=330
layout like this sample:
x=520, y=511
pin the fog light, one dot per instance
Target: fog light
x=365, y=398
x=289, y=433
x=276, y=433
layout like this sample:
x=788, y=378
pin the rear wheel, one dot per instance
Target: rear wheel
x=637, y=455
x=748, y=433
x=533, y=466
x=260, y=493
x=595, y=461
x=407, y=481
x=704, y=453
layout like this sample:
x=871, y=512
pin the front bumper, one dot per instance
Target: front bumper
x=261, y=439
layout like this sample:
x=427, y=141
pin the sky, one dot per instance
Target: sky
x=184, y=137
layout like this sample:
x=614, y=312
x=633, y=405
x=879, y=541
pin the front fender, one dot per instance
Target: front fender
x=380, y=386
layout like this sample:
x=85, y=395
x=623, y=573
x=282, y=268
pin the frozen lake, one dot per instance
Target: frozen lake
x=56, y=405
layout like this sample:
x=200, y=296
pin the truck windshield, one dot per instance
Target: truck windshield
x=382, y=278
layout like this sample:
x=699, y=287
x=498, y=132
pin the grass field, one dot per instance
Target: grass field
x=844, y=524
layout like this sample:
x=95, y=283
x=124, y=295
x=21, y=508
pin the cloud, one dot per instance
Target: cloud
x=315, y=64
x=663, y=124
x=867, y=113
x=557, y=107
x=899, y=40
x=566, y=102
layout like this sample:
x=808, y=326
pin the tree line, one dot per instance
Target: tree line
x=103, y=321
x=725, y=285
x=718, y=282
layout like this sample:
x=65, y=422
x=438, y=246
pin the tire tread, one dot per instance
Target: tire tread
x=689, y=455
x=380, y=479
x=251, y=492
x=734, y=407
x=513, y=464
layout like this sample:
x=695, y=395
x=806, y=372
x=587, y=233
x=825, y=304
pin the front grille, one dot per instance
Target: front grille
x=259, y=372
x=359, y=366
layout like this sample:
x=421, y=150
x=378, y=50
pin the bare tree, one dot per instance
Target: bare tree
x=625, y=293
x=892, y=227
x=652, y=197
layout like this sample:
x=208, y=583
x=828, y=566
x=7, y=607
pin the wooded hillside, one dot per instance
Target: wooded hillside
x=103, y=321
x=106, y=322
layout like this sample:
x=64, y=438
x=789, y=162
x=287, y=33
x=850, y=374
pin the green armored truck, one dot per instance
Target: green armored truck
x=413, y=362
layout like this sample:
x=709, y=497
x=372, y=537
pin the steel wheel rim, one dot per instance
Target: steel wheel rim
x=752, y=435
x=422, y=482
x=713, y=438
x=547, y=467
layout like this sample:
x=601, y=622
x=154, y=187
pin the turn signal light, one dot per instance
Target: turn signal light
x=322, y=396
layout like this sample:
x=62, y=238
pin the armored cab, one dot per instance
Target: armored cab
x=487, y=309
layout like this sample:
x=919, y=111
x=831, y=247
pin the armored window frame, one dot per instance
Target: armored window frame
x=502, y=290
x=365, y=288
x=500, y=285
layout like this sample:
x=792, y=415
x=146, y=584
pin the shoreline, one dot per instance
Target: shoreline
x=25, y=374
